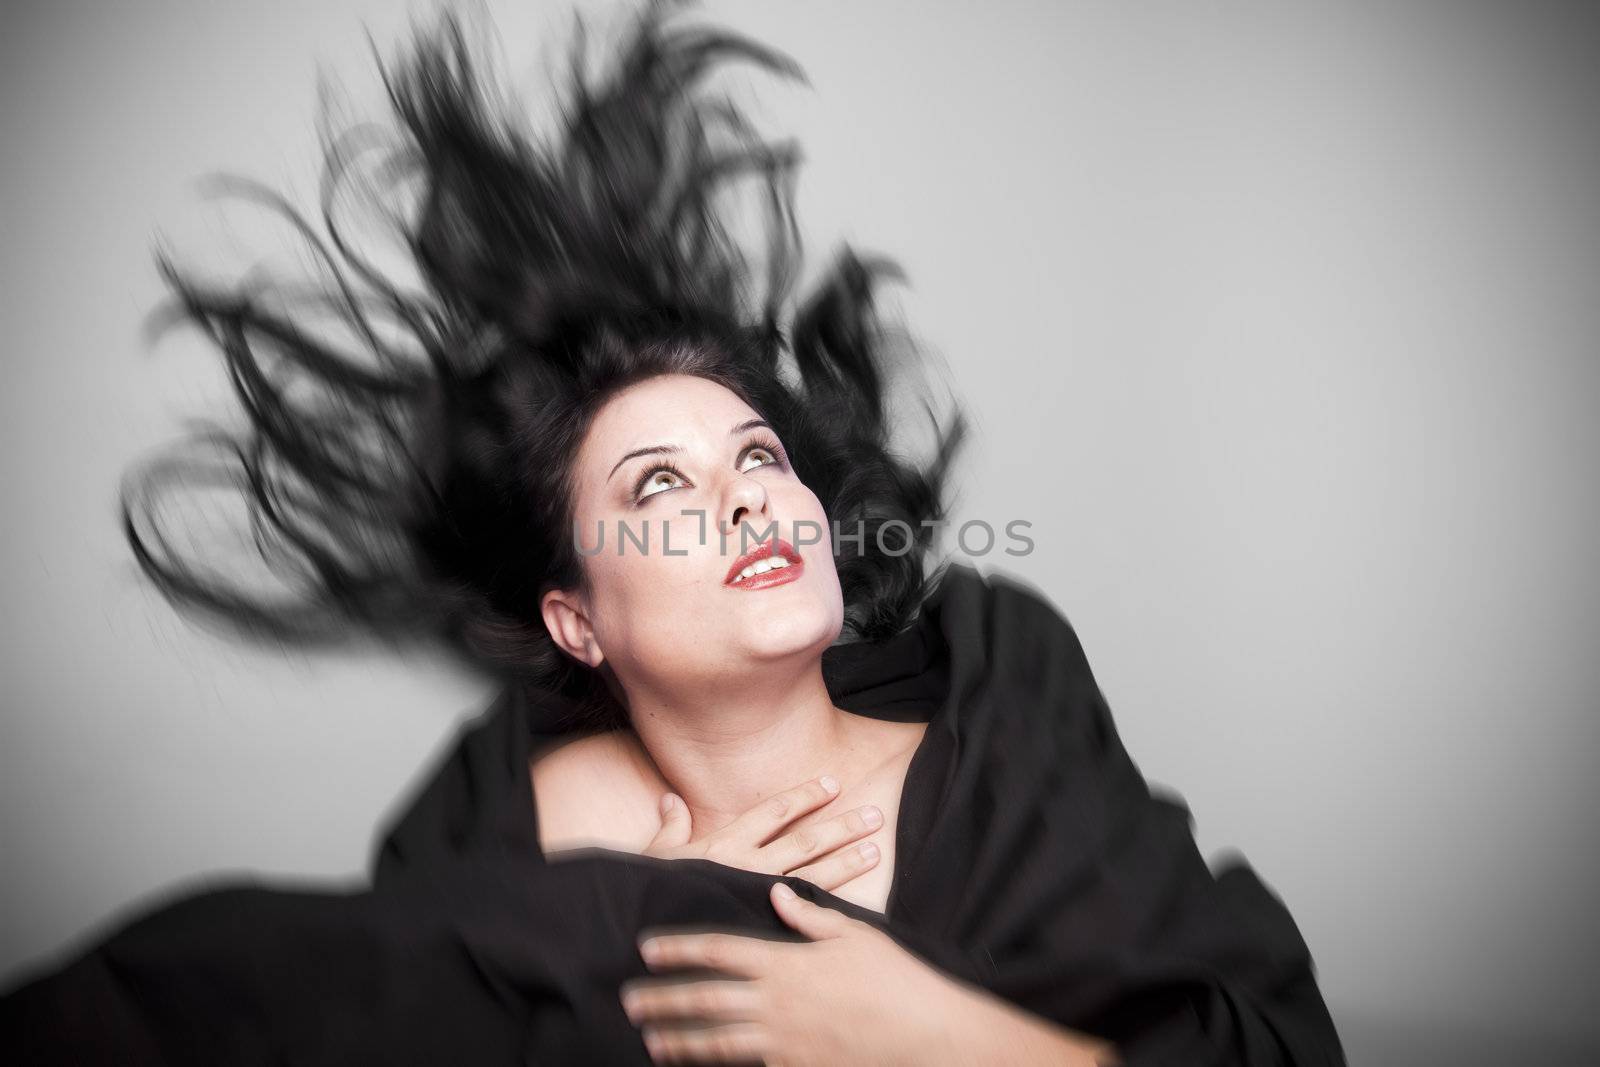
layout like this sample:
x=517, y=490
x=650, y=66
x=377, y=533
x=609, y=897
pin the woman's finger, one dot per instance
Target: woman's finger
x=791, y=849
x=744, y=957
x=815, y=921
x=732, y=1043
x=712, y=1000
x=676, y=825
x=834, y=870
x=761, y=822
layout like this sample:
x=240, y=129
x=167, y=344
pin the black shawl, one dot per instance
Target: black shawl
x=1031, y=859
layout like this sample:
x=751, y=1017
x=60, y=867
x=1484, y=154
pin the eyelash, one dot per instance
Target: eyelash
x=766, y=443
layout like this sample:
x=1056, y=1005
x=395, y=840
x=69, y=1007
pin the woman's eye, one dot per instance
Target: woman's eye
x=760, y=452
x=655, y=483
x=663, y=478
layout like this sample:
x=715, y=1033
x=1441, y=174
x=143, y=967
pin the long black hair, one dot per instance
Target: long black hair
x=406, y=465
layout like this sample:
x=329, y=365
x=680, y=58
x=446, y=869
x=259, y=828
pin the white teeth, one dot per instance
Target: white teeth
x=771, y=563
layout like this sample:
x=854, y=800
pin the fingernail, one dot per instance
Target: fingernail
x=830, y=783
x=666, y=803
x=872, y=817
x=869, y=851
x=784, y=891
x=648, y=949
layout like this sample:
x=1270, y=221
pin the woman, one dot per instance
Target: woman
x=824, y=810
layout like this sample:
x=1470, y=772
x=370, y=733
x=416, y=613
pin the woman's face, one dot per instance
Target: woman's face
x=669, y=464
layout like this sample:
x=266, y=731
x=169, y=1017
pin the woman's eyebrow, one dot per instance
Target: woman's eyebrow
x=662, y=450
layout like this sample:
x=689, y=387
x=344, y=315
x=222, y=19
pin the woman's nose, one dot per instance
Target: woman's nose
x=746, y=502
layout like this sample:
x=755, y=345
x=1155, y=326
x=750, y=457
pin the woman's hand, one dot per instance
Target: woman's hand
x=816, y=853
x=852, y=995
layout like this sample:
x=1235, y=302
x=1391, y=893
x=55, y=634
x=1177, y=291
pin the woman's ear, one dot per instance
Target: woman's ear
x=566, y=616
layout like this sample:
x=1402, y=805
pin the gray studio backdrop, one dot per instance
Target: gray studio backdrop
x=1278, y=323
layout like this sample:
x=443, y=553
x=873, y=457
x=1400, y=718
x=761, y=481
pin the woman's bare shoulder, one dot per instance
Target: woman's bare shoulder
x=894, y=742
x=594, y=790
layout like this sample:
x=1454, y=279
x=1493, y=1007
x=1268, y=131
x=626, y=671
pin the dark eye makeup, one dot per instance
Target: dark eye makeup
x=781, y=460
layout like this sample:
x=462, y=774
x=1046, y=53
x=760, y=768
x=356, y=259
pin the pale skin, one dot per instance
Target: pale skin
x=731, y=720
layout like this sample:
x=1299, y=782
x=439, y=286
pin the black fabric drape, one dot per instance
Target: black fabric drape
x=1031, y=859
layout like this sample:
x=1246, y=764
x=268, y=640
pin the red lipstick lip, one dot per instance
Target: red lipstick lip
x=776, y=547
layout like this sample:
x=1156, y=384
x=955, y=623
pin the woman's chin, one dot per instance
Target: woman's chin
x=797, y=629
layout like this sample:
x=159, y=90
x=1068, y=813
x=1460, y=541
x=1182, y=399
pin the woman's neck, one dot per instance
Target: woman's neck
x=726, y=750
